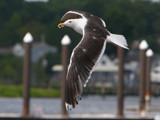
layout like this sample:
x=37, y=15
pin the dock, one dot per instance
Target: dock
x=76, y=117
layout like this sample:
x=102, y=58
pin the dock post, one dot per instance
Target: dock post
x=143, y=47
x=65, y=43
x=120, y=90
x=149, y=55
x=28, y=39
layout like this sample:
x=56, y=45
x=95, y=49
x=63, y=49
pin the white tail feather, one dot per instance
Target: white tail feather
x=118, y=40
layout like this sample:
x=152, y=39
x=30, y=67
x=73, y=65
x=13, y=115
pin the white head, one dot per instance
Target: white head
x=74, y=20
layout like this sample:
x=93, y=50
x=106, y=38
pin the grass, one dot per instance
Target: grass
x=17, y=91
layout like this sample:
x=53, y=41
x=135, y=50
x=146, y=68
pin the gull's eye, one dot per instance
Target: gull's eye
x=70, y=21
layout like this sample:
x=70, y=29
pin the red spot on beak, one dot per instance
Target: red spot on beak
x=60, y=25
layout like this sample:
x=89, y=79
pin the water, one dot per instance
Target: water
x=88, y=105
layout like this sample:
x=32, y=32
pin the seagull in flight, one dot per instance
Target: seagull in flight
x=87, y=53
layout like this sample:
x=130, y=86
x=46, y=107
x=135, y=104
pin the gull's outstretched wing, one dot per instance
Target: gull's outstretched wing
x=83, y=59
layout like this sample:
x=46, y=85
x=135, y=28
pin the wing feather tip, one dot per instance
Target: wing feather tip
x=68, y=106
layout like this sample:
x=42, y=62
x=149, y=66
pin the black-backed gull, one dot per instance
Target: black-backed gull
x=87, y=53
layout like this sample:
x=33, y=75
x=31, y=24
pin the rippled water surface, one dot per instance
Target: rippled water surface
x=88, y=105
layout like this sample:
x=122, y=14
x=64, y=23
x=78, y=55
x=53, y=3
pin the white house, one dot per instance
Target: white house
x=38, y=50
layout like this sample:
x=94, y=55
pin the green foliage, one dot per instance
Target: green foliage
x=10, y=91
x=52, y=60
x=12, y=69
x=40, y=74
x=134, y=19
x=40, y=92
x=17, y=91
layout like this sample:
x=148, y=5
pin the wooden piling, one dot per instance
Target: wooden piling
x=149, y=55
x=142, y=80
x=120, y=89
x=26, y=73
x=65, y=54
x=143, y=46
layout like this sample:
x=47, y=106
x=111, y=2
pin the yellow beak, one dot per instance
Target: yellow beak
x=60, y=25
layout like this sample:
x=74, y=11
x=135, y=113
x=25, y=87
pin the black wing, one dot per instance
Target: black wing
x=83, y=59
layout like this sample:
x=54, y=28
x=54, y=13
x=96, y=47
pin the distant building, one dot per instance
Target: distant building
x=154, y=1
x=18, y=50
x=155, y=70
x=105, y=61
x=38, y=50
x=106, y=73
